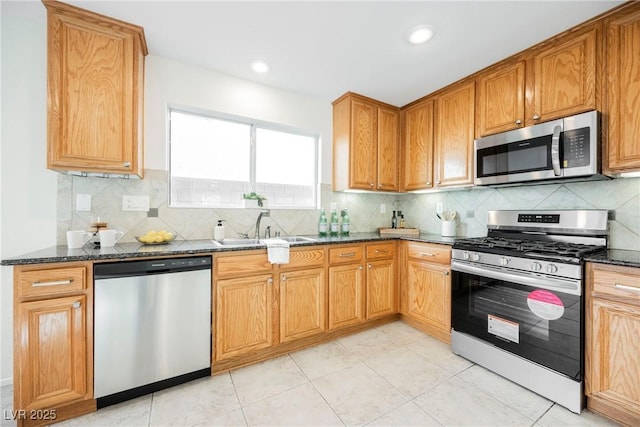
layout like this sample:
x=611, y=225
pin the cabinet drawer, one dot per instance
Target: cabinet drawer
x=440, y=254
x=242, y=264
x=51, y=281
x=623, y=282
x=381, y=250
x=305, y=258
x=346, y=254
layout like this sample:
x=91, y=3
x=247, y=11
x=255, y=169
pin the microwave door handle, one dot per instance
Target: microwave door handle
x=555, y=150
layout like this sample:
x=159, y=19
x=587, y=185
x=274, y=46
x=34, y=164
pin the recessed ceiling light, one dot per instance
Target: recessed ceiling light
x=259, y=66
x=421, y=34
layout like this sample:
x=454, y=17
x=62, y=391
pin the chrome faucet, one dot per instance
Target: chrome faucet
x=263, y=212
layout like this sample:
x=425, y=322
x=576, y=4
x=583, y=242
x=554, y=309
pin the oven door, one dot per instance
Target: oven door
x=536, y=317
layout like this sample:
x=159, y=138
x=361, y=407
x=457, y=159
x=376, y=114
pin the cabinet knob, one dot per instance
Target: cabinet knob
x=283, y=278
x=77, y=304
x=446, y=273
x=369, y=266
x=438, y=182
x=518, y=122
x=269, y=280
x=359, y=267
x=428, y=182
x=127, y=164
x=379, y=185
x=371, y=185
x=536, y=117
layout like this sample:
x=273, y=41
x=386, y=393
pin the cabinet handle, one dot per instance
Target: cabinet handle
x=626, y=287
x=381, y=251
x=270, y=280
x=536, y=117
x=427, y=254
x=53, y=283
x=283, y=278
x=127, y=164
x=518, y=122
x=77, y=304
x=348, y=255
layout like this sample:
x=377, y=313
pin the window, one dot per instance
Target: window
x=215, y=160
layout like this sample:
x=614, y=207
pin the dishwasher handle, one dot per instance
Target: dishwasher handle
x=150, y=267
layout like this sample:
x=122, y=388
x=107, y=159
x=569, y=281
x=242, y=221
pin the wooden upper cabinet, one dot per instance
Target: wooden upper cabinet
x=417, y=147
x=623, y=88
x=454, y=134
x=365, y=144
x=564, y=77
x=95, y=92
x=501, y=101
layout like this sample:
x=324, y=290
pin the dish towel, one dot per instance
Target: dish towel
x=277, y=251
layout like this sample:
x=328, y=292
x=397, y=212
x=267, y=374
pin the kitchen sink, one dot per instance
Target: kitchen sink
x=297, y=239
x=238, y=242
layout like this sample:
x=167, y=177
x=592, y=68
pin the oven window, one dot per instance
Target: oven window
x=539, y=325
x=517, y=157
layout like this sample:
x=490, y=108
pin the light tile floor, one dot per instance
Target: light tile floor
x=389, y=375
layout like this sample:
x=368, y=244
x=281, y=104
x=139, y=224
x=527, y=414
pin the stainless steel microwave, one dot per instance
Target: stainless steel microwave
x=567, y=148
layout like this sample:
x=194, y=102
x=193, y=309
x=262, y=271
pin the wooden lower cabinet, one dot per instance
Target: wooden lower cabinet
x=426, y=293
x=244, y=315
x=346, y=292
x=302, y=304
x=53, y=342
x=613, y=342
x=381, y=288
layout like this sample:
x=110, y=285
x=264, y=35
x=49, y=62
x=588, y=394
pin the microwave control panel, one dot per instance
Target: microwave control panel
x=575, y=148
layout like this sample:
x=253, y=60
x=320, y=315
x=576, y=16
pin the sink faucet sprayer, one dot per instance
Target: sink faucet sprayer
x=264, y=212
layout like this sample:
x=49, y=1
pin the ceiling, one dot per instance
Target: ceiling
x=325, y=48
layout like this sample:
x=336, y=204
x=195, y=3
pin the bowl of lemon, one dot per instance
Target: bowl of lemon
x=154, y=237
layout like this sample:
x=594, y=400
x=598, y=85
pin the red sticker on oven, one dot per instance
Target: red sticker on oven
x=545, y=304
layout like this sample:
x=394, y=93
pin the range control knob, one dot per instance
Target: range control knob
x=476, y=257
x=552, y=268
x=536, y=266
x=466, y=256
x=503, y=261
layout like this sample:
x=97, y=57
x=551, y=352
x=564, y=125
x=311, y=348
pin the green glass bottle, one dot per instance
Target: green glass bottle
x=346, y=223
x=323, y=226
x=334, y=225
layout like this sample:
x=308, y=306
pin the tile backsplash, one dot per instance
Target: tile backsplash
x=621, y=196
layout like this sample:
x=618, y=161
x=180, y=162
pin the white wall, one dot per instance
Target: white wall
x=27, y=189
x=172, y=83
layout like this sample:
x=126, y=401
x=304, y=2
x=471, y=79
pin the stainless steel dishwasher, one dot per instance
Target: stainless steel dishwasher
x=152, y=326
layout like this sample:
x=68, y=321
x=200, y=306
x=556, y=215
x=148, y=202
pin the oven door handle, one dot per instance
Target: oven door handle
x=568, y=286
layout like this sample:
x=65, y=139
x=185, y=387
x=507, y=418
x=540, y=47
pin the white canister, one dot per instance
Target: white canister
x=77, y=238
x=448, y=229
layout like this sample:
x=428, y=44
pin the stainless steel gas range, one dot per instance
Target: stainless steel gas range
x=517, y=298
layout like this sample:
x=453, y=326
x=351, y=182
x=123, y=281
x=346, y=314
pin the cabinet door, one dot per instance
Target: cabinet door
x=623, y=103
x=244, y=315
x=429, y=294
x=302, y=304
x=95, y=94
x=387, y=150
x=362, y=156
x=614, y=368
x=565, y=78
x=455, y=128
x=52, y=356
x=500, y=105
x=346, y=295
x=418, y=146
x=381, y=288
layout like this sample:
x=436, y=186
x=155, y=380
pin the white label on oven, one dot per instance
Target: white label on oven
x=545, y=304
x=503, y=328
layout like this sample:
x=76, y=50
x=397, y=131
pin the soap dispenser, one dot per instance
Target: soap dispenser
x=218, y=232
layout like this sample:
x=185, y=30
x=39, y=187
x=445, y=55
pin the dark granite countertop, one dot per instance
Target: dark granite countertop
x=188, y=247
x=616, y=257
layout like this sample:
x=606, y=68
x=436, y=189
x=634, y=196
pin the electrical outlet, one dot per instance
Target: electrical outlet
x=333, y=206
x=135, y=203
x=83, y=202
x=439, y=207
x=383, y=208
x=471, y=214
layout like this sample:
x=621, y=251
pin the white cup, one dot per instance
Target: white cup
x=448, y=229
x=77, y=238
x=108, y=238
